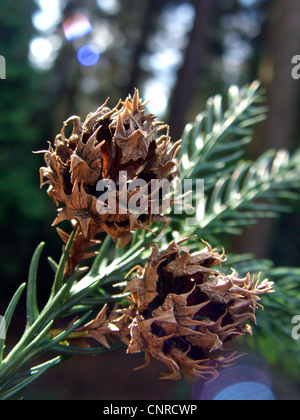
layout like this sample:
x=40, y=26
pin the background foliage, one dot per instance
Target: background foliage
x=178, y=53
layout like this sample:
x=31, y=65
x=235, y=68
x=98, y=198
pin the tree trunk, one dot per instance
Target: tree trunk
x=190, y=71
x=283, y=42
x=152, y=9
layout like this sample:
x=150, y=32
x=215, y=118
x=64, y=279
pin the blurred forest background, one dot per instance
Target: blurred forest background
x=65, y=57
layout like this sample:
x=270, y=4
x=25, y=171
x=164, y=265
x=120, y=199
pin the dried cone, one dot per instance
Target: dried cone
x=186, y=310
x=81, y=250
x=101, y=329
x=104, y=327
x=110, y=141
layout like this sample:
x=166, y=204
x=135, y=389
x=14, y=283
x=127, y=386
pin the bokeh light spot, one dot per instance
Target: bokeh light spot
x=249, y=380
x=47, y=16
x=88, y=55
x=111, y=7
x=247, y=3
x=245, y=391
x=41, y=53
x=157, y=94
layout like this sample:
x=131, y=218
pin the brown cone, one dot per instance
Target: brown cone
x=110, y=141
x=186, y=310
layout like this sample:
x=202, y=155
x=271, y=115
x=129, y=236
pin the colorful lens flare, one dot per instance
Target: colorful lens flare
x=88, y=55
x=76, y=27
x=245, y=391
x=249, y=380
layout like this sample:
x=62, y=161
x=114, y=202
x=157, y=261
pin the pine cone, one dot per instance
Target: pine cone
x=81, y=250
x=124, y=139
x=185, y=310
x=101, y=329
x=104, y=327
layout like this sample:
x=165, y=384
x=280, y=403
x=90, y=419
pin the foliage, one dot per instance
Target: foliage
x=238, y=192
